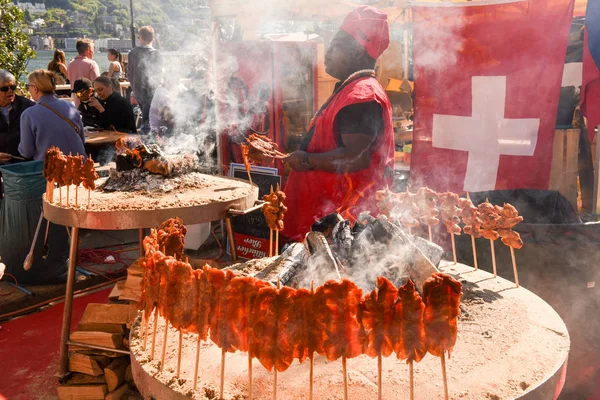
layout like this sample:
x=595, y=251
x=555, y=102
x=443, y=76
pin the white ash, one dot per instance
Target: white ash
x=140, y=180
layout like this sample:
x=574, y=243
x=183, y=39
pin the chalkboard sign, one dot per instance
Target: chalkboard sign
x=251, y=231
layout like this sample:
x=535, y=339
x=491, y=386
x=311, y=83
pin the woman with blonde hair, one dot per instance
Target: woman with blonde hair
x=58, y=65
x=51, y=122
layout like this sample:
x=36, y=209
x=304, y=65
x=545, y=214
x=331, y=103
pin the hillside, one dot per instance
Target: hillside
x=109, y=18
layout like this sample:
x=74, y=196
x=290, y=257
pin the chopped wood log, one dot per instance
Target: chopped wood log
x=111, y=340
x=87, y=364
x=82, y=392
x=95, y=352
x=83, y=379
x=118, y=393
x=115, y=372
x=135, y=269
x=129, y=375
x=133, y=289
x=116, y=314
x=108, y=328
x=117, y=290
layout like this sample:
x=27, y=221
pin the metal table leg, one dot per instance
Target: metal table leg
x=232, y=247
x=68, y=306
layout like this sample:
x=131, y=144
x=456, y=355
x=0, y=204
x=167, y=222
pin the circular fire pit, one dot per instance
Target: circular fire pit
x=511, y=344
x=203, y=198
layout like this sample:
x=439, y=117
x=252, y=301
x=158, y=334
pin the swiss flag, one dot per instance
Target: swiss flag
x=487, y=82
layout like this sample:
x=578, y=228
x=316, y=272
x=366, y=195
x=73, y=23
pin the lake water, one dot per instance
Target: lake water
x=44, y=57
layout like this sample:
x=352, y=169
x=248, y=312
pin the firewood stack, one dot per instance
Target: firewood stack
x=101, y=374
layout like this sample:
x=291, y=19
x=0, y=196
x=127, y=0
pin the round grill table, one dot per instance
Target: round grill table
x=214, y=198
x=511, y=344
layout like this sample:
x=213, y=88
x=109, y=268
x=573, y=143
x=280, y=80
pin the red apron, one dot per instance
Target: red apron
x=311, y=195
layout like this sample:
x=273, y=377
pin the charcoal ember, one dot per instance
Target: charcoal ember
x=387, y=246
x=326, y=224
x=431, y=250
x=341, y=241
x=364, y=219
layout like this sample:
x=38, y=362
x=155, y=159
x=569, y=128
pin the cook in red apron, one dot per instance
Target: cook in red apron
x=348, y=153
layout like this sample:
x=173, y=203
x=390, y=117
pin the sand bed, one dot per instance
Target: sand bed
x=510, y=343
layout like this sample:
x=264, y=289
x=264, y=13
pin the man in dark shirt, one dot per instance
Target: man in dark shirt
x=114, y=111
x=84, y=90
x=11, y=108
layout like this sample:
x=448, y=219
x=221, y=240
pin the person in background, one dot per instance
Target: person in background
x=11, y=108
x=115, y=70
x=144, y=71
x=83, y=66
x=58, y=65
x=114, y=111
x=84, y=90
x=51, y=122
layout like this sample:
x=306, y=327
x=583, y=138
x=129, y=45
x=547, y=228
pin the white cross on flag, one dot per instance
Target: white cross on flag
x=487, y=82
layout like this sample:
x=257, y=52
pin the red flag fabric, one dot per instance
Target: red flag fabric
x=590, y=89
x=487, y=83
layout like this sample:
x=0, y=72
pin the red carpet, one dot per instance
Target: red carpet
x=29, y=349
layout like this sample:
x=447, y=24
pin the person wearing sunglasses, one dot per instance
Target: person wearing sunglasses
x=51, y=122
x=11, y=108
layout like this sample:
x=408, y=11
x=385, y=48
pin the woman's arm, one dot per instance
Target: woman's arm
x=112, y=69
x=63, y=69
x=27, y=144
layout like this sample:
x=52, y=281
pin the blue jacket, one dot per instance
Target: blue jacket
x=41, y=129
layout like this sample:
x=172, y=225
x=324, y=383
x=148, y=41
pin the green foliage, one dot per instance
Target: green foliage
x=15, y=51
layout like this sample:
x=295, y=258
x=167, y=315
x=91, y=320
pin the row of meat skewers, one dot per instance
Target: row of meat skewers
x=66, y=171
x=277, y=325
x=427, y=207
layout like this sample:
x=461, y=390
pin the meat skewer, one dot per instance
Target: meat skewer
x=274, y=212
x=246, y=159
x=450, y=211
x=89, y=176
x=509, y=217
x=48, y=172
x=69, y=174
x=470, y=216
x=441, y=294
x=340, y=301
x=426, y=202
x=376, y=317
x=408, y=331
x=202, y=312
x=60, y=164
x=489, y=224
x=77, y=176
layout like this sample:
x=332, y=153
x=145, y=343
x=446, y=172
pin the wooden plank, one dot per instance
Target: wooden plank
x=95, y=313
x=115, y=372
x=117, y=290
x=571, y=166
x=118, y=393
x=111, y=340
x=557, y=166
x=108, y=328
x=133, y=289
x=85, y=364
x=95, y=352
x=82, y=392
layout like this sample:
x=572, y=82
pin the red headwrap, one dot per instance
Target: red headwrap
x=369, y=27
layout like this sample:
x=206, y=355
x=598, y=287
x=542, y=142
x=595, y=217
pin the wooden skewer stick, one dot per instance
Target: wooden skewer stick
x=164, y=349
x=411, y=373
x=154, y=332
x=59, y=195
x=67, y=195
x=276, y=242
x=312, y=355
x=76, y=196
x=179, y=354
x=453, y=248
x=197, y=361
x=493, y=258
x=222, y=374
x=379, y=394
x=430, y=235
x=345, y=372
x=249, y=176
x=270, y=242
x=274, y=367
x=474, y=252
x=514, y=263
x=145, y=325
x=89, y=194
x=249, y=376
x=444, y=377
